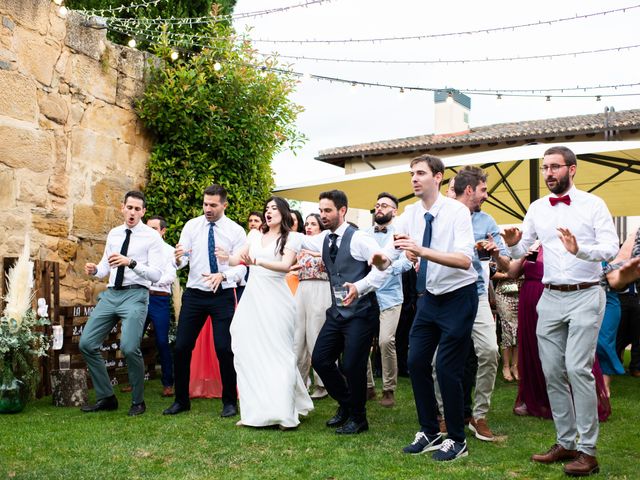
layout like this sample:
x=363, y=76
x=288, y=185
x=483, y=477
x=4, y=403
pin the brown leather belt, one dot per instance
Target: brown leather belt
x=572, y=288
x=158, y=294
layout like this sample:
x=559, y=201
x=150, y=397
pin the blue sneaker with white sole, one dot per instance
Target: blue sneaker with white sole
x=451, y=450
x=424, y=443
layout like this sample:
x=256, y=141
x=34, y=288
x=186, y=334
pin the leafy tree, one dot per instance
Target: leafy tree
x=218, y=116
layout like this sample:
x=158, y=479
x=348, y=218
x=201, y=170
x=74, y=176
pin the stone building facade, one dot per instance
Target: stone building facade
x=71, y=144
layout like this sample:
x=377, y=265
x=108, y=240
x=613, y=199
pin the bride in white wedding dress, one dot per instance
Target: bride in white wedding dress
x=270, y=387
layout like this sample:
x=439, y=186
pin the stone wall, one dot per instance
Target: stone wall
x=71, y=144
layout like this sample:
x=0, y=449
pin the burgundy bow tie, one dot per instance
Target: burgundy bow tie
x=377, y=229
x=556, y=200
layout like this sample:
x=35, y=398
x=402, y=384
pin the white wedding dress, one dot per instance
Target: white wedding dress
x=270, y=387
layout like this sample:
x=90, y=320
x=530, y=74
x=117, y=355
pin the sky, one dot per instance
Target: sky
x=340, y=114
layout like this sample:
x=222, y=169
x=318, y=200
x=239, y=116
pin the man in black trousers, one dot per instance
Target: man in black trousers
x=209, y=292
x=352, y=320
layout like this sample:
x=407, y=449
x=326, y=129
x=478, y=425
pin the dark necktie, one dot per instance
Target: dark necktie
x=378, y=229
x=213, y=262
x=123, y=251
x=426, y=242
x=333, y=246
x=556, y=200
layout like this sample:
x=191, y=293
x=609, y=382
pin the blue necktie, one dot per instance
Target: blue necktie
x=426, y=242
x=213, y=262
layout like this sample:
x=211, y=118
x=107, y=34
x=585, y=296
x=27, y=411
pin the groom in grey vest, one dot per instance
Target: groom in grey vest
x=351, y=321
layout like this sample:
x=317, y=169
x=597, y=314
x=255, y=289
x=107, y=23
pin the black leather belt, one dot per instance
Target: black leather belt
x=129, y=287
x=572, y=288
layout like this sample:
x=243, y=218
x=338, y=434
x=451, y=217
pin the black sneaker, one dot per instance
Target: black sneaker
x=424, y=443
x=450, y=450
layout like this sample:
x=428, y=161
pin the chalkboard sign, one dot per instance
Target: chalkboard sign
x=73, y=320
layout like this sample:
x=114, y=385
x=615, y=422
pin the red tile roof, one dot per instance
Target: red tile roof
x=501, y=132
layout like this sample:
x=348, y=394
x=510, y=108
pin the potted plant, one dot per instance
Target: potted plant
x=21, y=341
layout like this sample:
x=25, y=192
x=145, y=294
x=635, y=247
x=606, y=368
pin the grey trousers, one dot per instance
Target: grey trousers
x=567, y=331
x=485, y=343
x=129, y=306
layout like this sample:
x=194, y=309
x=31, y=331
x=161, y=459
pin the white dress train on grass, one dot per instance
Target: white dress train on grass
x=270, y=387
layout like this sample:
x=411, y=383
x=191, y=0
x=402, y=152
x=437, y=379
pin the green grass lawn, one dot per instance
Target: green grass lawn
x=47, y=442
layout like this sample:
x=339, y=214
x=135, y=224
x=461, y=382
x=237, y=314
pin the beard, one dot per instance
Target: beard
x=561, y=186
x=383, y=219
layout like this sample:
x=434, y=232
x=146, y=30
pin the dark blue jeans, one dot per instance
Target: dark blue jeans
x=160, y=316
x=443, y=322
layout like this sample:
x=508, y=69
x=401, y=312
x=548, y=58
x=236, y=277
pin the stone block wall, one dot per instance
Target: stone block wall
x=71, y=144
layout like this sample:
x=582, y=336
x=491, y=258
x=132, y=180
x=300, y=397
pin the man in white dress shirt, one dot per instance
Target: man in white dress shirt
x=438, y=231
x=351, y=320
x=160, y=308
x=133, y=259
x=577, y=233
x=209, y=292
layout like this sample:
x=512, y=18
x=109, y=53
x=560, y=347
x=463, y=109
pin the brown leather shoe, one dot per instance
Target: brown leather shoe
x=126, y=388
x=387, y=400
x=634, y=373
x=556, y=453
x=371, y=393
x=582, y=466
x=442, y=425
x=167, y=391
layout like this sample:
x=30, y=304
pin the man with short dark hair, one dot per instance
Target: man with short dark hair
x=160, y=307
x=577, y=233
x=470, y=187
x=352, y=319
x=209, y=292
x=438, y=231
x=133, y=259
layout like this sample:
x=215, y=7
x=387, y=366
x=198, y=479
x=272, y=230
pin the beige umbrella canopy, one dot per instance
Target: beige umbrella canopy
x=610, y=170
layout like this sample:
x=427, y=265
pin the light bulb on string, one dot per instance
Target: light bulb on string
x=598, y=98
x=548, y=98
x=132, y=43
x=63, y=11
x=217, y=67
x=174, y=55
x=499, y=96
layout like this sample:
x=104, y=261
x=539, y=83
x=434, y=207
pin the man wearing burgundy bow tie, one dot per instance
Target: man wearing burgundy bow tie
x=577, y=233
x=389, y=299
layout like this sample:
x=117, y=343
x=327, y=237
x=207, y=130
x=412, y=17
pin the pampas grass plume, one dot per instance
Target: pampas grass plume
x=20, y=286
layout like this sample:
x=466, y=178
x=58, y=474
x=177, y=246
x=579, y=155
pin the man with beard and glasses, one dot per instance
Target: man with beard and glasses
x=577, y=233
x=389, y=299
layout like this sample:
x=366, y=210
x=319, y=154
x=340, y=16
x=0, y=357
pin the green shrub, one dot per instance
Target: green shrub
x=217, y=116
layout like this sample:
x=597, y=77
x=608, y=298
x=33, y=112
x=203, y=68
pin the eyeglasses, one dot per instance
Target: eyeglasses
x=553, y=168
x=383, y=206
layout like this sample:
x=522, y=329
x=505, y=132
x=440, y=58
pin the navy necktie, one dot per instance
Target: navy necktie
x=426, y=242
x=333, y=247
x=213, y=262
x=123, y=251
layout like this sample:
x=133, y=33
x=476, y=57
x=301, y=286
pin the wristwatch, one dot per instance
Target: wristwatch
x=224, y=276
x=132, y=264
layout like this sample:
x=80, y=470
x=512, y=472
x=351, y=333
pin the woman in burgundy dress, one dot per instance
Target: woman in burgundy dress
x=532, y=389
